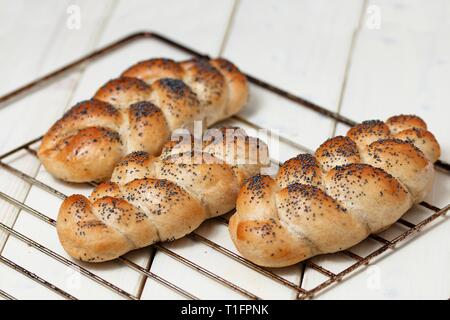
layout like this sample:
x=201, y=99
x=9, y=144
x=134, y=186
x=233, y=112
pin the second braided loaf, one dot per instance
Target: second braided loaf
x=151, y=199
x=353, y=186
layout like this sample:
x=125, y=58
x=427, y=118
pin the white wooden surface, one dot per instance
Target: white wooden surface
x=331, y=52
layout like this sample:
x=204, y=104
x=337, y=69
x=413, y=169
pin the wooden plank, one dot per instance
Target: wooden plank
x=401, y=67
x=94, y=76
x=49, y=44
x=300, y=46
x=41, y=52
x=13, y=123
x=199, y=24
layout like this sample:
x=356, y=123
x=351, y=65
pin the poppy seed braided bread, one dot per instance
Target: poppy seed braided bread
x=151, y=199
x=353, y=186
x=138, y=112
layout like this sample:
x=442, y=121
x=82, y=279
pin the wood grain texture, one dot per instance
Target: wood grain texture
x=38, y=51
x=300, y=46
x=303, y=47
x=402, y=67
x=111, y=25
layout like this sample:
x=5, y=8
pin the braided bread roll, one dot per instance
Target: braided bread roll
x=151, y=199
x=354, y=186
x=138, y=112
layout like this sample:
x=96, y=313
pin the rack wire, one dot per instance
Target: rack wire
x=332, y=278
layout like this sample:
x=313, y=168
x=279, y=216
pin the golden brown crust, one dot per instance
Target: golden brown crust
x=154, y=69
x=337, y=151
x=405, y=161
x=172, y=210
x=423, y=140
x=256, y=199
x=237, y=84
x=216, y=196
x=88, y=155
x=105, y=189
x=210, y=87
x=268, y=243
x=147, y=128
x=373, y=196
x=304, y=168
x=128, y=220
x=177, y=102
x=136, y=165
x=354, y=186
x=318, y=218
x=232, y=145
x=84, y=236
x=143, y=107
x=83, y=115
x=122, y=92
x=403, y=122
x=367, y=132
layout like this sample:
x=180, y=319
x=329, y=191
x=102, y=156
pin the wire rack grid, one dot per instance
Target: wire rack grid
x=331, y=278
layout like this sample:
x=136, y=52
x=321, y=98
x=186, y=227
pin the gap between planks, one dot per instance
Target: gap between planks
x=226, y=36
x=348, y=64
x=352, y=46
x=230, y=23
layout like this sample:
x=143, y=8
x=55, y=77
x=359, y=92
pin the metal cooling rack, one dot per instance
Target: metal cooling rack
x=331, y=277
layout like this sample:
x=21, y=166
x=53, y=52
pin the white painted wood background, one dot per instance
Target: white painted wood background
x=332, y=52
